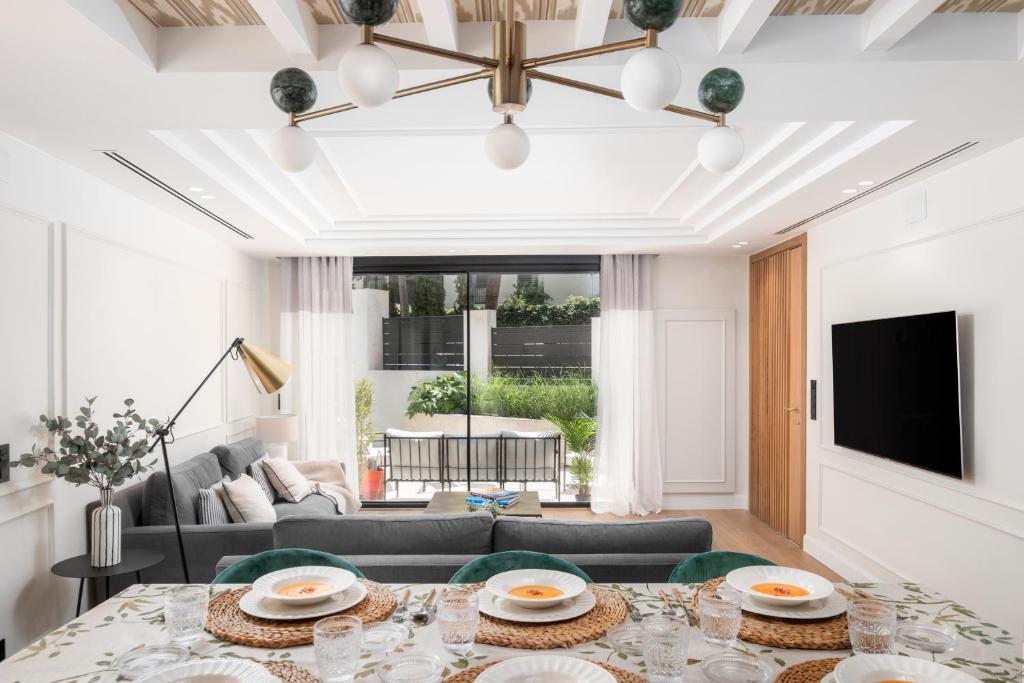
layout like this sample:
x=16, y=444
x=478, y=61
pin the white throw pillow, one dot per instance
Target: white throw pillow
x=286, y=479
x=246, y=502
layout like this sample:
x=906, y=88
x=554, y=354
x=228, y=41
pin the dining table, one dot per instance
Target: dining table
x=86, y=649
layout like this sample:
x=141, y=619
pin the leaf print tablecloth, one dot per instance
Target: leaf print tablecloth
x=85, y=650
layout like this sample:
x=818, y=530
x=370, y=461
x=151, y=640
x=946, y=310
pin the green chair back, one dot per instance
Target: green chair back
x=255, y=566
x=710, y=565
x=487, y=566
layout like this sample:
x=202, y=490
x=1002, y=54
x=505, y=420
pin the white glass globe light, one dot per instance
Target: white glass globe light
x=720, y=149
x=368, y=75
x=650, y=79
x=507, y=146
x=293, y=149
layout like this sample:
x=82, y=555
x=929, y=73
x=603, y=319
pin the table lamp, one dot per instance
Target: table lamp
x=276, y=432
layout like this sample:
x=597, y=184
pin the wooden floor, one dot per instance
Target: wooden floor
x=732, y=530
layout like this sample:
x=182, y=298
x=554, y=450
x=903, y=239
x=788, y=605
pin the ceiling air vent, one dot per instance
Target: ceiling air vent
x=875, y=188
x=174, y=193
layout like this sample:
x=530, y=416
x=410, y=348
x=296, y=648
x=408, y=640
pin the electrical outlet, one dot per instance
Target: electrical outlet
x=5, y=463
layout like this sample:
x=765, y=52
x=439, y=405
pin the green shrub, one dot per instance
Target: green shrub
x=364, y=422
x=443, y=395
x=518, y=311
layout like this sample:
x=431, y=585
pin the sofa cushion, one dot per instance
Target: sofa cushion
x=246, y=502
x=310, y=505
x=683, y=535
x=200, y=472
x=210, y=508
x=255, y=470
x=236, y=457
x=466, y=533
x=290, y=484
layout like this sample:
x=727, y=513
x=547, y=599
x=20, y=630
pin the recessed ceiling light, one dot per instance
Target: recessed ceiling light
x=743, y=244
x=737, y=246
x=849, y=190
x=207, y=196
x=866, y=183
x=195, y=189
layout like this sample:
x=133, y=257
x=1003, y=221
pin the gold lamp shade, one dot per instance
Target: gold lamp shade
x=269, y=373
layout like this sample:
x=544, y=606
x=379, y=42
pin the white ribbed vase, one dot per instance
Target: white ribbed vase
x=106, y=532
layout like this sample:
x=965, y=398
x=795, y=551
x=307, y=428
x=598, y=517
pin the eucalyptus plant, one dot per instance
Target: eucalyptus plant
x=83, y=454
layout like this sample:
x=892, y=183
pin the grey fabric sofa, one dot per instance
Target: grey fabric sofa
x=430, y=548
x=148, y=521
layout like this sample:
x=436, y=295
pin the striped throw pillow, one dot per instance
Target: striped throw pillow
x=211, y=508
x=260, y=477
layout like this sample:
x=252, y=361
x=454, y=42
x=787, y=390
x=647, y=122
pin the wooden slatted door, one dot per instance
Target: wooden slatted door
x=778, y=340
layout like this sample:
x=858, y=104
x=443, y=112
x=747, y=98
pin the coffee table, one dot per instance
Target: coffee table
x=447, y=502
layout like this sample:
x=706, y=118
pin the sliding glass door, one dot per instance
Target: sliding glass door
x=475, y=379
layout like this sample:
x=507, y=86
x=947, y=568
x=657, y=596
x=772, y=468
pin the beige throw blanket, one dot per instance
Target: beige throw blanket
x=328, y=479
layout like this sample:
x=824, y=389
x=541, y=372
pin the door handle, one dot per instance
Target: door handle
x=790, y=410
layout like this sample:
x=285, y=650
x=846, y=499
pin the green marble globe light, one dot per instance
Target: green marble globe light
x=368, y=12
x=721, y=90
x=652, y=14
x=293, y=90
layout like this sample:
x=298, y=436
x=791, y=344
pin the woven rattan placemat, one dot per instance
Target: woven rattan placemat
x=802, y=634
x=621, y=675
x=611, y=609
x=290, y=673
x=227, y=621
x=808, y=672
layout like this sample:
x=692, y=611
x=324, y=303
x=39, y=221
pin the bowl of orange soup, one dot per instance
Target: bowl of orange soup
x=780, y=585
x=303, y=585
x=536, y=588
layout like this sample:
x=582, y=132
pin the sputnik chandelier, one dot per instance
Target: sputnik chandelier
x=369, y=76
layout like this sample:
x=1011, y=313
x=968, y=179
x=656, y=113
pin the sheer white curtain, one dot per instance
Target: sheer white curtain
x=627, y=477
x=316, y=331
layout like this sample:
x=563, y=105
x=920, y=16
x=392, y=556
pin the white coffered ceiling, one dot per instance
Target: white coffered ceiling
x=822, y=113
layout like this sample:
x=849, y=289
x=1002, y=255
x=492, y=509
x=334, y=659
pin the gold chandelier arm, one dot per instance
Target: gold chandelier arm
x=717, y=119
x=436, y=51
x=585, y=52
x=404, y=92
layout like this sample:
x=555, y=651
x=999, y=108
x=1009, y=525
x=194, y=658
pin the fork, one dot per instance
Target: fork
x=684, y=603
x=401, y=612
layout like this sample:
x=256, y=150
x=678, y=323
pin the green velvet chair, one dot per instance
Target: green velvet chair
x=487, y=566
x=706, y=566
x=255, y=566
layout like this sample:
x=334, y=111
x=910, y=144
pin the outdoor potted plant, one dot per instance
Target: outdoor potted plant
x=580, y=436
x=104, y=459
x=371, y=475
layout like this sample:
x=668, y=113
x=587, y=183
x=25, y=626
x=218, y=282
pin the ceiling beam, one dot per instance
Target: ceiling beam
x=887, y=21
x=292, y=25
x=591, y=22
x=739, y=22
x=441, y=23
x=125, y=24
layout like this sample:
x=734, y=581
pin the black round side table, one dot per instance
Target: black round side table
x=132, y=560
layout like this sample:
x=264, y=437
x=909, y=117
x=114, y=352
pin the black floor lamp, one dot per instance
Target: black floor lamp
x=269, y=373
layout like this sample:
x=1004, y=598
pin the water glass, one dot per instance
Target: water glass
x=185, y=612
x=458, y=613
x=720, y=614
x=872, y=626
x=336, y=643
x=666, y=640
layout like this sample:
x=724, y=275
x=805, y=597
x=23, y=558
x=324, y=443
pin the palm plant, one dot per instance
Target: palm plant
x=580, y=436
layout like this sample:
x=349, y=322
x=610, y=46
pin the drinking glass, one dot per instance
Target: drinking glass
x=872, y=626
x=457, y=615
x=185, y=612
x=336, y=643
x=720, y=614
x=666, y=642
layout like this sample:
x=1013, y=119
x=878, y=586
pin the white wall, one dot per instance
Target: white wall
x=102, y=294
x=702, y=320
x=875, y=519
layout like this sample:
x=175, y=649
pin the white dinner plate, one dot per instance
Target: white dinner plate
x=824, y=608
x=830, y=677
x=875, y=668
x=255, y=605
x=744, y=578
x=338, y=578
x=545, y=669
x=241, y=670
x=499, y=608
x=569, y=584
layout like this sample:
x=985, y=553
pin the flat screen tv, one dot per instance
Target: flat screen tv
x=896, y=390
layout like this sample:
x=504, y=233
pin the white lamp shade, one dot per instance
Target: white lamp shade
x=293, y=149
x=720, y=149
x=507, y=146
x=278, y=428
x=368, y=75
x=650, y=79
